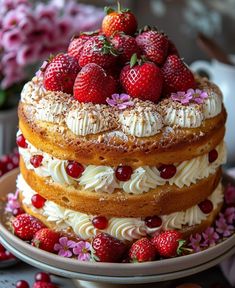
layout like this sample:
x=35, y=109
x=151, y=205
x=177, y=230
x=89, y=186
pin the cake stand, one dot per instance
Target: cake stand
x=115, y=273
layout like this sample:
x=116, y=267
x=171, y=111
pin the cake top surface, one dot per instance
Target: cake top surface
x=123, y=80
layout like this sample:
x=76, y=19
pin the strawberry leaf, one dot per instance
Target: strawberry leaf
x=180, y=247
x=108, y=10
x=133, y=60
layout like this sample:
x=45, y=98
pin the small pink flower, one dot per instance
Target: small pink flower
x=27, y=54
x=223, y=228
x=230, y=194
x=12, y=39
x=64, y=246
x=196, y=96
x=229, y=215
x=82, y=250
x=121, y=101
x=182, y=97
x=12, y=201
x=195, y=242
x=210, y=236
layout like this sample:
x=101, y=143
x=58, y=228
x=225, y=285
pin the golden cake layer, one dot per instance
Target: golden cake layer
x=162, y=200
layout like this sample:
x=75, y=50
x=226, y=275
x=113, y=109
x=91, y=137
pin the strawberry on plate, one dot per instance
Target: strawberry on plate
x=154, y=45
x=46, y=239
x=126, y=47
x=108, y=249
x=60, y=73
x=25, y=226
x=93, y=85
x=119, y=21
x=142, y=251
x=142, y=80
x=77, y=43
x=177, y=76
x=98, y=50
x=169, y=243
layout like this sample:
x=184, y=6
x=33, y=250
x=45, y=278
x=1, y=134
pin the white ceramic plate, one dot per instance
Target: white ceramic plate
x=162, y=270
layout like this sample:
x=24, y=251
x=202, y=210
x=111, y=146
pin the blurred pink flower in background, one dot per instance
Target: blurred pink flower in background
x=31, y=32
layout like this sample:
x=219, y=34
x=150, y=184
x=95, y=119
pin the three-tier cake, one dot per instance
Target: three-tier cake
x=111, y=141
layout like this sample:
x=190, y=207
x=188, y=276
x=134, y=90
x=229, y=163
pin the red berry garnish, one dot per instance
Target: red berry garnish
x=21, y=141
x=153, y=221
x=22, y=284
x=38, y=201
x=167, y=171
x=42, y=276
x=213, y=155
x=17, y=211
x=206, y=206
x=36, y=160
x=74, y=169
x=100, y=222
x=123, y=173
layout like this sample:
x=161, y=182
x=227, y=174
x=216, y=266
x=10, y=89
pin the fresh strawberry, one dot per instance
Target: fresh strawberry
x=177, y=76
x=143, y=80
x=60, y=73
x=172, y=50
x=77, y=43
x=98, y=50
x=126, y=47
x=46, y=239
x=41, y=284
x=25, y=226
x=142, y=250
x=93, y=85
x=154, y=45
x=76, y=46
x=168, y=243
x=108, y=249
x=119, y=21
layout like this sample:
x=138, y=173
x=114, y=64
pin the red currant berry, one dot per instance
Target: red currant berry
x=123, y=173
x=38, y=201
x=212, y=156
x=206, y=206
x=22, y=284
x=167, y=171
x=153, y=221
x=36, y=160
x=21, y=141
x=74, y=169
x=42, y=276
x=17, y=211
x=100, y=222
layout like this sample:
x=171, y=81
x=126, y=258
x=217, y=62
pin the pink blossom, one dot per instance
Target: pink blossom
x=230, y=194
x=182, y=97
x=65, y=26
x=223, y=228
x=12, y=39
x=195, y=242
x=44, y=11
x=82, y=249
x=198, y=96
x=27, y=54
x=229, y=215
x=64, y=246
x=121, y=101
x=9, y=80
x=210, y=236
x=12, y=201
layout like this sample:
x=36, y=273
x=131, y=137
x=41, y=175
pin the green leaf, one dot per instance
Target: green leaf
x=108, y=10
x=3, y=97
x=180, y=247
x=133, y=60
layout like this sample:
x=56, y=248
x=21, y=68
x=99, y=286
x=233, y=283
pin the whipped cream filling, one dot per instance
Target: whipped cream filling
x=102, y=178
x=125, y=229
x=141, y=121
x=212, y=106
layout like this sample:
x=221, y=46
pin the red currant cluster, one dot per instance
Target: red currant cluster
x=42, y=280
